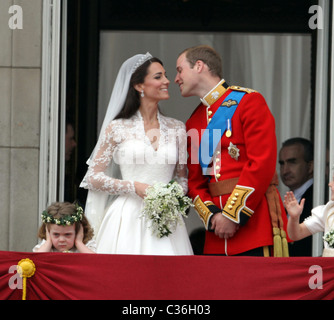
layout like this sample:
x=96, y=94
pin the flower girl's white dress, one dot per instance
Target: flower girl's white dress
x=118, y=226
x=322, y=220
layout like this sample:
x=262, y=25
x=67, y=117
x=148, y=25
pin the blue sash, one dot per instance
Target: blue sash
x=216, y=128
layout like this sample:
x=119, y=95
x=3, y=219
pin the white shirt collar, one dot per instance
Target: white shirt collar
x=301, y=190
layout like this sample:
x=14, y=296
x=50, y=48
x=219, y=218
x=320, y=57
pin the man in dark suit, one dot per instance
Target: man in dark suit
x=296, y=171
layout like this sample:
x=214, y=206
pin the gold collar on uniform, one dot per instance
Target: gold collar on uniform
x=215, y=93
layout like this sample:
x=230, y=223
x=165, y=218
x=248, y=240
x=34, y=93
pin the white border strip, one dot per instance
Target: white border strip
x=320, y=126
x=62, y=132
x=331, y=115
x=49, y=104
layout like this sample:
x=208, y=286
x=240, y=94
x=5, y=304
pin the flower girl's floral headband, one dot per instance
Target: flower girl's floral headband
x=64, y=221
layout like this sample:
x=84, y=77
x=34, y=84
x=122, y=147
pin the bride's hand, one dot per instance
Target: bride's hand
x=141, y=188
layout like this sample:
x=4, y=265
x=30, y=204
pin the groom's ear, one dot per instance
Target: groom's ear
x=199, y=66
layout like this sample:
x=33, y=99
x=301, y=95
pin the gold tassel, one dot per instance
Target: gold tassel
x=26, y=268
x=285, y=246
x=277, y=242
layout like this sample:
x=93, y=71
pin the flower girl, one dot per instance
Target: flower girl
x=65, y=229
x=321, y=220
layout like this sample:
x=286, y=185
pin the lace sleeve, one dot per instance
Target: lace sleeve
x=181, y=175
x=97, y=177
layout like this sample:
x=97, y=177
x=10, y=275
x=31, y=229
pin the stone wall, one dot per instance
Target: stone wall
x=20, y=105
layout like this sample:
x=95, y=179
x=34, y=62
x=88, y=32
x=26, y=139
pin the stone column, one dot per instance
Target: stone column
x=20, y=105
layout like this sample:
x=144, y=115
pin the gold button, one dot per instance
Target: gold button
x=236, y=194
x=209, y=113
x=217, y=167
x=230, y=207
x=209, y=119
x=217, y=159
x=217, y=175
x=234, y=198
x=232, y=202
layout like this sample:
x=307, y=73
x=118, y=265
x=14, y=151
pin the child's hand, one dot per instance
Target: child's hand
x=294, y=209
x=80, y=235
x=79, y=242
x=47, y=245
x=48, y=237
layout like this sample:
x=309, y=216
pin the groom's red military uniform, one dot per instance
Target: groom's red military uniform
x=242, y=168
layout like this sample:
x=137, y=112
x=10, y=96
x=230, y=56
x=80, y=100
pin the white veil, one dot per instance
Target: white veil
x=120, y=91
x=98, y=201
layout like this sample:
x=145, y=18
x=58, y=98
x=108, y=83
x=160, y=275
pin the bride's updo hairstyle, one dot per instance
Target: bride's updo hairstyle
x=132, y=101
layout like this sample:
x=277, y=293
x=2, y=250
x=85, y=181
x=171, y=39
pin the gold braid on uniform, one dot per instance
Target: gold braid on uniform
x=205, y=211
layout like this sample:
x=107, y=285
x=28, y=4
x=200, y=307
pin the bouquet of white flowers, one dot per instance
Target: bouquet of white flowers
x=164, y=205
x=329, y=238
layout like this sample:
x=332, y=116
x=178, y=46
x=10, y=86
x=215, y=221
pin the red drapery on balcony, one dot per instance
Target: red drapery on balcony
x=124, y=277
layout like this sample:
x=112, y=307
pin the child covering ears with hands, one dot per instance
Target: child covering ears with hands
x=65, y=229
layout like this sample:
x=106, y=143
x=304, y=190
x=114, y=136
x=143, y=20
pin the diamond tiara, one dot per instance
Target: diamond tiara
x=142, y=59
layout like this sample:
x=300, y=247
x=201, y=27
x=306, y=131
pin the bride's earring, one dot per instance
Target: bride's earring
x=142, y=94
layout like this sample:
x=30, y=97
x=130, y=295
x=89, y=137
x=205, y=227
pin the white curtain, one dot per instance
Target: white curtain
x=277, y=65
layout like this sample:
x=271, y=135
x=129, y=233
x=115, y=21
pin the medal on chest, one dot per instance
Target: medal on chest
x=233, y=151
x=228, y=129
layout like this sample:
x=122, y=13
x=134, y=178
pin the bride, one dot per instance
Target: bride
x=137, y=147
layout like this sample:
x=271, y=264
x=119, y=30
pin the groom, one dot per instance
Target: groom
x=232, y=160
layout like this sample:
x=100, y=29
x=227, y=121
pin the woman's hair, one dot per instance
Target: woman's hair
x=206, y=54
x=132, y=101
x=61, y=210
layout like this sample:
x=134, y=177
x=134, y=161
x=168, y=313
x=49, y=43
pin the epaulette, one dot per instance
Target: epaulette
x=238, y=88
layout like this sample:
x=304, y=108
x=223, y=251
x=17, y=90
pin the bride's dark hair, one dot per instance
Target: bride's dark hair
x=132, y=101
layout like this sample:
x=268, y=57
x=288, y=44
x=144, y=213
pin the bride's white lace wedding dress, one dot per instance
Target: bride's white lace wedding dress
x=121, y=229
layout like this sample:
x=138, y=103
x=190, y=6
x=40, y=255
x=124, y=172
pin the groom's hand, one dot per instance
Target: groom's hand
x=223, y=227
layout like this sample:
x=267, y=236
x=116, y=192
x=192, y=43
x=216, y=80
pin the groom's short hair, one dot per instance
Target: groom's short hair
x=208, y=55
